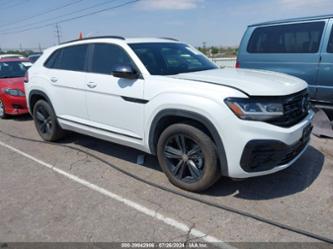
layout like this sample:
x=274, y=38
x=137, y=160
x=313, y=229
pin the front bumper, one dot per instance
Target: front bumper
x=263, y=155
x=257, y=148
x=15, y=105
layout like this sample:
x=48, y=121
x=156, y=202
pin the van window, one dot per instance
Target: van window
x=107, y=57
x=330, y=43
x=291, y=38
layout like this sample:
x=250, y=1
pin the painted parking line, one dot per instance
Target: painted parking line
x=140, y=208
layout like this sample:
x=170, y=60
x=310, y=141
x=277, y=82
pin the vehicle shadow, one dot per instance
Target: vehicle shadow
x=292, y=180
x=22, y=118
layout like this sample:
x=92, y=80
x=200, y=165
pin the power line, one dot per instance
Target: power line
x=72, y=18
x=42, y=13
x=57, y=17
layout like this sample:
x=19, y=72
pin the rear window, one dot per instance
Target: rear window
x=70, y=58
x=292, y=38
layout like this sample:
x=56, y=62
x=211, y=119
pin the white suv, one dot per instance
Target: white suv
x=164, y=97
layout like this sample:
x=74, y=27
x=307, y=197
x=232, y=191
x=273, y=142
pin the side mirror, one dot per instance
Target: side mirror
x=125, y=72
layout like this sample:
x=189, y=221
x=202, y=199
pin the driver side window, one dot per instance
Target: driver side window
x=106, y=57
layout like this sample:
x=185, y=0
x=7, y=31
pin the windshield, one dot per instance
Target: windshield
x=13, y=69
x=171, y=58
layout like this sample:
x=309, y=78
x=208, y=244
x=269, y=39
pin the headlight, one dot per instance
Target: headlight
x=248, y=109
x=14, y=92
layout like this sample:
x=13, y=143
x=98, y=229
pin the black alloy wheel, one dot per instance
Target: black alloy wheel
x=46, y=122
x=185, y=158
x=188, y=157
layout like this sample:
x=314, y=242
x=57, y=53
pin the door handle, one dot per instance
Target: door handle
x=91, y=85
x=54, y=79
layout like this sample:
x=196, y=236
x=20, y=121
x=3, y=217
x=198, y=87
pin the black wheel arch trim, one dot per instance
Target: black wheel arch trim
x=40, y=93
x=196, y=117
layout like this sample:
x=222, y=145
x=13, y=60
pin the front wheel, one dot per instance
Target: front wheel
x=46, y=122
x=188, y=157
x=2, y=110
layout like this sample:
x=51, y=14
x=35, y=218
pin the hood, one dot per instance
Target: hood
x=13, y=83
x=252, y=82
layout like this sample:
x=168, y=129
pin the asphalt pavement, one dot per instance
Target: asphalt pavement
x=53, y=193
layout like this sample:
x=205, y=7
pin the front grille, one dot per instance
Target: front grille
x=296, y=108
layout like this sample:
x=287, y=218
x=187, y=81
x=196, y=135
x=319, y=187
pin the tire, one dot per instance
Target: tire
x=3, y=114
x=46, y=122
x=195, y=170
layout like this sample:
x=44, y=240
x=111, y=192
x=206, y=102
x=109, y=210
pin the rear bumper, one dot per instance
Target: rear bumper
x=15, y=105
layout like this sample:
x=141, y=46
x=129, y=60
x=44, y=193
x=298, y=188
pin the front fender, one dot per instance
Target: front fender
x=198, y=112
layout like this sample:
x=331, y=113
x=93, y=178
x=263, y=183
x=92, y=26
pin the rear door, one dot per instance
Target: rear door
x=325, y=75
x=287, y=48
x=67, y=76
x=114, y=105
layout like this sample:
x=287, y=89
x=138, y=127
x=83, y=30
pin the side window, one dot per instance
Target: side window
x=70, y=58
x=53, y=59
x=107, y=57
x=73, y=58
x=330, y=43
x=292, y=38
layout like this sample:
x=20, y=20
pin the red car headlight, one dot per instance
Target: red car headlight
x=14, y=92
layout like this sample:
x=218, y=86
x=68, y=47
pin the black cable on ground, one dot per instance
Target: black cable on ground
x=185, y=195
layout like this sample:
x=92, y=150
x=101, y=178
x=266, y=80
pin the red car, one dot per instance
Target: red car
x=12, y=95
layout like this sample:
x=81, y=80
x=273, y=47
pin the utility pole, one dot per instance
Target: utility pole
x=58, y=33
x=39, y=47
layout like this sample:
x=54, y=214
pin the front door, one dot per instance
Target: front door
x=114, y=105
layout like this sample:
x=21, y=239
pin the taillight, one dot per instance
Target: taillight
x=237, y=64
x=26, y=77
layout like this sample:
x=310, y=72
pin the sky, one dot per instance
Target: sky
x=32, y=23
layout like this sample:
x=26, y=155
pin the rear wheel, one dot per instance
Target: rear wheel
x=2, y=110
x=188, y=157
x=46, y=122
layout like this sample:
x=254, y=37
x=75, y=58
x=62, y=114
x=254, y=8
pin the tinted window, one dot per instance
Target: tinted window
x=330, y=43
x=73, y=58
x=70, y=58
x=171, y=58
x=107, y=57
x=50, y=63
x=293, y=38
